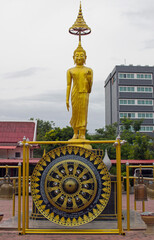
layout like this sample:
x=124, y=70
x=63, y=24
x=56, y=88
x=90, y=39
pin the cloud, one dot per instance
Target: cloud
x=51, y=106
x=149, y=44
x=143, y=17
x=29, y=42
x=55, y=96
x=24, y=73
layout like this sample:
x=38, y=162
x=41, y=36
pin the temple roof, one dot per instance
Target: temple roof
x=14, y=131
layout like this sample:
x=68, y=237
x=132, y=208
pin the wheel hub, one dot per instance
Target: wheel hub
x=70, y=185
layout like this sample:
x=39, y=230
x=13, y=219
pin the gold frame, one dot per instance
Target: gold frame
x=25, y=201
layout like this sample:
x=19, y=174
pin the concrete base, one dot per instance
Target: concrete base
x=136, y=223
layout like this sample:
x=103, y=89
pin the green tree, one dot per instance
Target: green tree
x=42, y=128
x=137, y=124
x=138, y=145
x=58, y=134
x=126, y=123
x=107, y=133
x=140, y=148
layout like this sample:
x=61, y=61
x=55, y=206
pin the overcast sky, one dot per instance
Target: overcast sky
x=36, y=50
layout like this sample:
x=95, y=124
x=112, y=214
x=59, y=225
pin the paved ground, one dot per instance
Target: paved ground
x=6, y=208
x=133, y=235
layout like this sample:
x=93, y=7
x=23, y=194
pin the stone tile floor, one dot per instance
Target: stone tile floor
x=136, y=223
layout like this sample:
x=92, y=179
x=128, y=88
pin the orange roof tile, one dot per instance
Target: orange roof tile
x=14, y=131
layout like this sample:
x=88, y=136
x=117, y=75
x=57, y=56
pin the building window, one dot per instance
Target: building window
x=127, y=115
x=142, y=129
x=126, y=75
x=144, y=76
x=17, y=154
x=126, y=89
x=131, y=115
x=122, y=89
x=146, y=129
x=149, y=115
x=122, y=115
x=131, y=102
x=122, y=102
x=135, y=102
x=144, y=102
x=145, y=115
x=148, y=89
x=140, y=89
x=135, y=89
x=144, y=89
x=136, y=115
x=126, y=102
x=141, y=76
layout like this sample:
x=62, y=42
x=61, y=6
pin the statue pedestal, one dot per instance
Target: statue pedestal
x=84, y=144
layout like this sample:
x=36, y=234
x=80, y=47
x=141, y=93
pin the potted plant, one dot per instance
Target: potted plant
x=148, y=218
x=1, y=216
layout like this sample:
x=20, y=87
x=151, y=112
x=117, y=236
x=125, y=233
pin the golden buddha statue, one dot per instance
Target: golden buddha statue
x=82, y=78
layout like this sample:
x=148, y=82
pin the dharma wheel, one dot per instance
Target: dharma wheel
x=70, y=186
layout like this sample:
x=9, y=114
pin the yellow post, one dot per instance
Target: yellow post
x=143, y=206
x=27, y=186
x=14, y=185
x=127, y=190
x=134, y=195
x=44, y=152
x=119, y=190
x=23, y=193
x=19, y=197
x=6, y=170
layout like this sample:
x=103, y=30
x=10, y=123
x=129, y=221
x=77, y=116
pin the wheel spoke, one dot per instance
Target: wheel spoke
x=85, y=170
x=64, y=203
x=58, y=172
x=50, y=189
x=56, y=198
x=74, y=203
x=84, y=200
x=91, y=180
x=88, y=191
x=51, y=179
x=75, y=168
x=66, y=168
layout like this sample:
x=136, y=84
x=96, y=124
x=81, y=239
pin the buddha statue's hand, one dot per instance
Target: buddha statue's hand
x=67, y=105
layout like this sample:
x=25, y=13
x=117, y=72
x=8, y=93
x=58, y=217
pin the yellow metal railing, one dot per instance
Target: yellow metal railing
x=14, y=181
x=25, y=191
x=25, y=202
x=127, y=189
x=19, y=193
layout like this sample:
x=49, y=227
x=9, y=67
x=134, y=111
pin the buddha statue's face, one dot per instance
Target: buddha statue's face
x=79, y=58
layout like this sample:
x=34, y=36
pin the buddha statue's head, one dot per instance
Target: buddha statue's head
x=79, y=55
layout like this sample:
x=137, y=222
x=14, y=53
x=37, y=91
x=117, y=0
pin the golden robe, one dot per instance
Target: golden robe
x=82, y=83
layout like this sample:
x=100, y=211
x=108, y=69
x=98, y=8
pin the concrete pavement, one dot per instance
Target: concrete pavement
x=6, y=208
